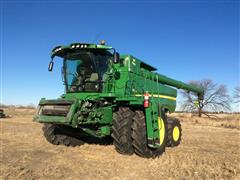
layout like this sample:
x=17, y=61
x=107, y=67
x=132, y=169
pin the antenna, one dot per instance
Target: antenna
x=96, y=38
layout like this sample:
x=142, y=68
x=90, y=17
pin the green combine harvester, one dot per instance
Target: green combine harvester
x=2, y=115
x=111, y=97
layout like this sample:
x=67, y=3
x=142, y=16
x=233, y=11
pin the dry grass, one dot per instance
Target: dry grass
x=222, y=120
x=206, y=152
x=16, y=112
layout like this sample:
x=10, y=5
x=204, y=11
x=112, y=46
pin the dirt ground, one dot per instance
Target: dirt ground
x=207, y=151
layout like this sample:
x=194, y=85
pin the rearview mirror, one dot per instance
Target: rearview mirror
x=50, y=66
x=116, y=58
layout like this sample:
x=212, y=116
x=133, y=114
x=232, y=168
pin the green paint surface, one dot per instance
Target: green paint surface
x=123, y=84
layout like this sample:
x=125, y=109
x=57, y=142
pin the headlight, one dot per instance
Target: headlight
x=58, y=49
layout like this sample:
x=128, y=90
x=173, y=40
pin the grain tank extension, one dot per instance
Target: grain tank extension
x=111, y=97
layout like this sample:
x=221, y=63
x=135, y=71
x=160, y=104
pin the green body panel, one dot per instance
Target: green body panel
x=124, y=84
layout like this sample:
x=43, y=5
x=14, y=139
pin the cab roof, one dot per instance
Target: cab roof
x=61, y=50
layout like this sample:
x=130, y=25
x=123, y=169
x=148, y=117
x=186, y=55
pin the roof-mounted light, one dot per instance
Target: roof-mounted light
x=102, y=42
x=73, y=46
x=57, y=49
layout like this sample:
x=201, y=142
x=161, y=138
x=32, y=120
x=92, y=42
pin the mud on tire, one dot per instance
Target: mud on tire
x=139, y=136
x=174, y=135
x=60, y=135
x=122, y=122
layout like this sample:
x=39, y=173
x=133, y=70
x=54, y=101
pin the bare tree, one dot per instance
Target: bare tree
x=236, y=95
x=215, y=98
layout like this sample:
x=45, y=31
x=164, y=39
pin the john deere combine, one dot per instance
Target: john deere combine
x=2, y=115
x=111, y=95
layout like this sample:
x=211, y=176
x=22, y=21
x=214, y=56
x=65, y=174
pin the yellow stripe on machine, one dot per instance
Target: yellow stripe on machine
x=167, y=97
x=159, y=96
x=138, y=95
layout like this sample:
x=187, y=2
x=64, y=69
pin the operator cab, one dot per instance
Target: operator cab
x=83, y=71
x=84, y=65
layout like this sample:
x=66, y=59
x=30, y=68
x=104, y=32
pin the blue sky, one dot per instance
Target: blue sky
x=185, y=40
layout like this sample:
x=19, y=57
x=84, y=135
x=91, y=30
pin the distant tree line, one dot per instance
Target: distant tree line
x=30, y=106
x=209, y=112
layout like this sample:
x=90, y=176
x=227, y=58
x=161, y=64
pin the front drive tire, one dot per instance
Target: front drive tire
x=139, y=136
x=60, y=135
x=122, y=122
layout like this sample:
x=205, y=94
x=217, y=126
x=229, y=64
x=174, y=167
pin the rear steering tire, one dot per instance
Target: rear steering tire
x=60, y=135
x=174, y=132
x=139, y=136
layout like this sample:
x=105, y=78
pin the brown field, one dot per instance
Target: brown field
x=209, y=150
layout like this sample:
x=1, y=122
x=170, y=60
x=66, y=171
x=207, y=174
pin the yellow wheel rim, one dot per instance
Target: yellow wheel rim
x=161, y=128
x=176, y=133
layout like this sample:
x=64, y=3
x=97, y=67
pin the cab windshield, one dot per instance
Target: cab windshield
x=84, y=72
